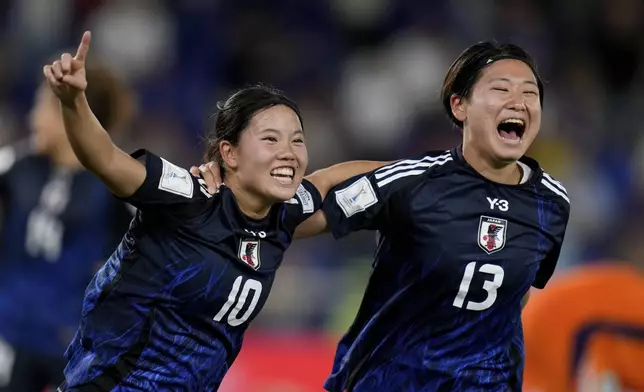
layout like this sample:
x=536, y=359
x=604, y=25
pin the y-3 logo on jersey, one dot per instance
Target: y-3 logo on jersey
x=501, y=204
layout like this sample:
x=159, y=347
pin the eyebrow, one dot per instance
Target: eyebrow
x=271, y=130
x=526, y=81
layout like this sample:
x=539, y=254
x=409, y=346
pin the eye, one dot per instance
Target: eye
x=500, y=89
x=270, y=139
x=531, y=93
x=298, y=140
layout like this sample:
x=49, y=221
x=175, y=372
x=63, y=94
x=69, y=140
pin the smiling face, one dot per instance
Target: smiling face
x=270, y=159
x=502, y=115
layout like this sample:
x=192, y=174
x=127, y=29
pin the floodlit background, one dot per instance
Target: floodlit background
x=366, y=74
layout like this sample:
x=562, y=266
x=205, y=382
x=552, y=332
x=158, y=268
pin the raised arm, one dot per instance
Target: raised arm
x=121, y=173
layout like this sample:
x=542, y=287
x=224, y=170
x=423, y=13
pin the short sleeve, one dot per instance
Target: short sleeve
x=372, y=201
x=557, y=228
x=167, y=187
x=306, y=202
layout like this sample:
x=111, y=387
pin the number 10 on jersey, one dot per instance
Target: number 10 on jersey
x=251, y=285
x=489, y=286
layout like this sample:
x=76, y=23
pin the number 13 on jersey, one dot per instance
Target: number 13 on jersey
x=489, y=286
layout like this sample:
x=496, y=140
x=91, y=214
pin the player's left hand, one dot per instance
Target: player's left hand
x=210, y=173
x=66, y=76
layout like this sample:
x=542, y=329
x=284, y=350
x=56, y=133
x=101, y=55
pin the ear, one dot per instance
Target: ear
x=228, y=154
x=459, y=107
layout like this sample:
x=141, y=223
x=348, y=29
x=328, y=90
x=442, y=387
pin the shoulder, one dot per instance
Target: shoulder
x=424, y=164
x=553, y=189
x=169, y=178
x=389, y=184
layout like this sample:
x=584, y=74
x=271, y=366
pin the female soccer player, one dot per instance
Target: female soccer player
x=168, y=311
x=464, y=233
x=58, y=223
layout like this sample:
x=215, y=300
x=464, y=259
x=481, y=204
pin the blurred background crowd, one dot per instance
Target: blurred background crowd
x=366, y=74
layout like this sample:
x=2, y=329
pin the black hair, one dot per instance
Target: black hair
x=234, y=115
x=466, y=70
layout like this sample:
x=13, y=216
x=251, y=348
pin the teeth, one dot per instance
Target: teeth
x=514, y=121
x=283, y=171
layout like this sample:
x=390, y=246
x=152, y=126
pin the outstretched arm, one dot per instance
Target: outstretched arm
x=323, y=180
x=327, y=178
x=121, y=173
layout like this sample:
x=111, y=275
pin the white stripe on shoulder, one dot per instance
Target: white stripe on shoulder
x=555, y=189
x=409, y=167
x=408, y=164
x=555, y=182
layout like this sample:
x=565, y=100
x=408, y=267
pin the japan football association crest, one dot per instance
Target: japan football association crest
x=492, y=234
x=249, y=253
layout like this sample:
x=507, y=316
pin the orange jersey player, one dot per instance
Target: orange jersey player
x=587, y=328
x=614, y=362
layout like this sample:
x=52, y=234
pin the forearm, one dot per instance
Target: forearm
x=90, y=142
x=97, y=153
x=327, y=178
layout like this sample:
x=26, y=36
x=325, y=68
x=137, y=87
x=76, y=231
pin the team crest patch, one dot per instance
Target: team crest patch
x=249, y=253
x=492, y=234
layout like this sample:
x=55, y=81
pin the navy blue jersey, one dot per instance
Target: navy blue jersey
x=169, y=310
x=57, y=226
x=456, y=254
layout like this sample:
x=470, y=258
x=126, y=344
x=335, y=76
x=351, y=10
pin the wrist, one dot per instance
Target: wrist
x=75, y=102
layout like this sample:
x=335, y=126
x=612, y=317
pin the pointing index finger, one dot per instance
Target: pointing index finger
x=83, y=47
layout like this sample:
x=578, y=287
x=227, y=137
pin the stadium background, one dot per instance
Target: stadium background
x=366, y=74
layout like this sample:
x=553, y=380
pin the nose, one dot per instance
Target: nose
x=286, y=153
x=518, y=103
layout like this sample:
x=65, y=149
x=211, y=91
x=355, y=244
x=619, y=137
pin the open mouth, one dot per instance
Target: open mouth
x=284, y=174
x=511, y=129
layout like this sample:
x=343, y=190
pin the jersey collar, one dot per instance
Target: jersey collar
x=457, y=154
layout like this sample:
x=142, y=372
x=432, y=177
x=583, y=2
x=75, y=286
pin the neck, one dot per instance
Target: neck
x=63, y=156
x=250, y=204
x=504, y=173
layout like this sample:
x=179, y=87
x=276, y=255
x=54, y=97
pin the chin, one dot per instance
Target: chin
x=509, y=153
x=282, y=193
x=509, y=156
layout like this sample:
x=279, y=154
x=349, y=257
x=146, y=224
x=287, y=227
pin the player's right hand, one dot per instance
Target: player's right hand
x=210, y=173
x=66, y=76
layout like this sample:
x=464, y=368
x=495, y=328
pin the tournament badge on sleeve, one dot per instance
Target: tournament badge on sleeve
x=492, y=234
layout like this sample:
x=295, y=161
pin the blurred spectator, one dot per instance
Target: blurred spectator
x=59, y=224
